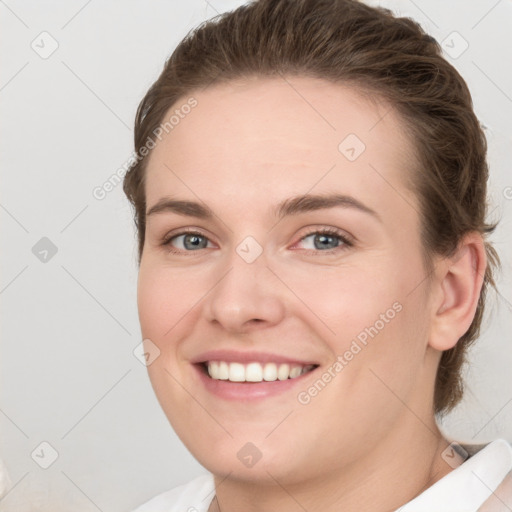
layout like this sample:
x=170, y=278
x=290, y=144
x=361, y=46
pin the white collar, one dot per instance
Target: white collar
x=464, y=489
x=468, y=486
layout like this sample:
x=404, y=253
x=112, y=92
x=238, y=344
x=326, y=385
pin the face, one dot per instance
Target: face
x=310, y=313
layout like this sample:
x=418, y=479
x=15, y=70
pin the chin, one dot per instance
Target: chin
x=252, y=461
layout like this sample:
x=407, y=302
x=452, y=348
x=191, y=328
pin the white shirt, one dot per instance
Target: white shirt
x=483, y=483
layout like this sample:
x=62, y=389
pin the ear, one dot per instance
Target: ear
x=458, y=285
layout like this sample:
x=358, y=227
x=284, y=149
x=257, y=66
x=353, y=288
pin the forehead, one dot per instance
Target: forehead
x=276, y=135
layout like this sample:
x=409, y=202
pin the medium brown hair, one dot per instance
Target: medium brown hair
x=390, y=58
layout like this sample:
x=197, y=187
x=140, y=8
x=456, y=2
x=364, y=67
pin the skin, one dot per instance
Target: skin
x=369, y=439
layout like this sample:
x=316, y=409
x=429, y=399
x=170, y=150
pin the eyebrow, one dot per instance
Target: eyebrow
x=291, y=206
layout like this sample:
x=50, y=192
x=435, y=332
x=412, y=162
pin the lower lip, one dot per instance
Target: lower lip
x=243, y=391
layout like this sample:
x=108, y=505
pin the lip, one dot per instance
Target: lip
x=232, y=356
x=247, y=391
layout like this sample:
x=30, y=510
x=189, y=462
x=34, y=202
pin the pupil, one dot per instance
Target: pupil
x=325, y=240
x=195, y=241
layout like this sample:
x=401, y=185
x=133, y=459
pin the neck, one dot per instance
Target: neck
x=396, y=471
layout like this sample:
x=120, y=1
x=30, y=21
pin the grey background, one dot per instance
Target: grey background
x=69, y=320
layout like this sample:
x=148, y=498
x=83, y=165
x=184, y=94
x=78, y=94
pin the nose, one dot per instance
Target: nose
x=246, y=297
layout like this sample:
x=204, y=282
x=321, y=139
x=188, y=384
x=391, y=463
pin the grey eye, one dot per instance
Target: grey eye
x=193, y=241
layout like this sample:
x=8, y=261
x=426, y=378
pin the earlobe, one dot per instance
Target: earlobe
x=460, y=283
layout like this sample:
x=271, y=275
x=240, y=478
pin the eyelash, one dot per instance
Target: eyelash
x=346, y=241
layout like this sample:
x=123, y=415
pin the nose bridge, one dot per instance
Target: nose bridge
x=247, y=291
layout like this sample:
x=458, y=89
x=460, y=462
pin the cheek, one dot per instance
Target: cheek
x=374, y=317
x=163, y=304
x=346, y=299
x=385, y=350
x=162, y=299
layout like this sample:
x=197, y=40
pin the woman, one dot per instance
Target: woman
x=310, y=198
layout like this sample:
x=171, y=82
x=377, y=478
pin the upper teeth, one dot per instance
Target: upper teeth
x=254, y=372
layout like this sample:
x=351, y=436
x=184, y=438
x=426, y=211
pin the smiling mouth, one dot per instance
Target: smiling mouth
x=254, y=372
